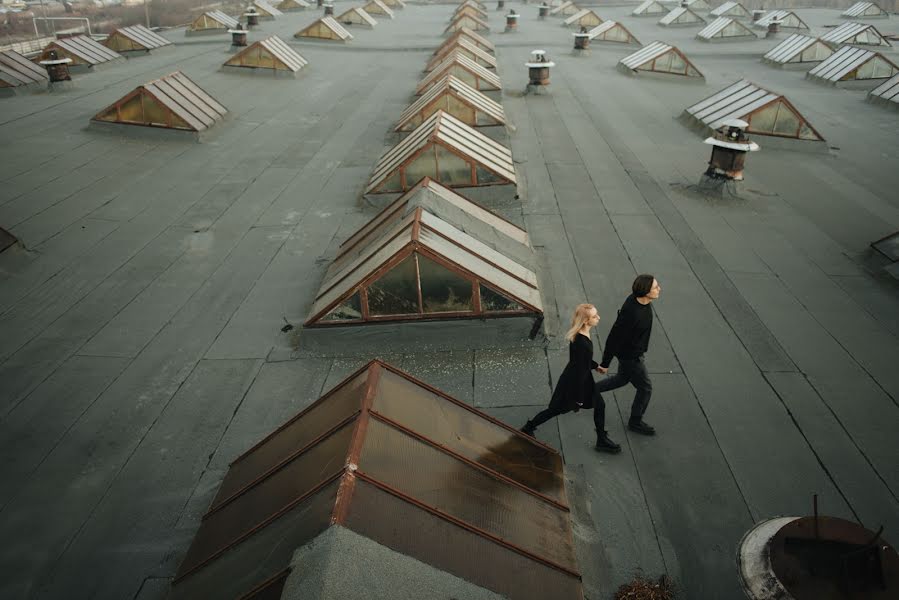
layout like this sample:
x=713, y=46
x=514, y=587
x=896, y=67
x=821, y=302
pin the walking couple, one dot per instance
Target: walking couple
x=627, y=341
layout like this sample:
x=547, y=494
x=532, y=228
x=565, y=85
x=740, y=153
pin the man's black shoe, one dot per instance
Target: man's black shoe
x=604, y=444
x=528, y=429
x=641, y=427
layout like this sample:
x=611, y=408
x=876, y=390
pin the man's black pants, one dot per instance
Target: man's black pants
x=599, y=414
x=633, y=372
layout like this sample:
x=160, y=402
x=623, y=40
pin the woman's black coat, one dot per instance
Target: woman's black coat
x=574, y=390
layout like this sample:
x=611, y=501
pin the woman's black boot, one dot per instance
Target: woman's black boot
x=604, y=444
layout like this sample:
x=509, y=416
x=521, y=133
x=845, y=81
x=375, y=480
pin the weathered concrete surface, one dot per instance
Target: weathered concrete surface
x=142, y=351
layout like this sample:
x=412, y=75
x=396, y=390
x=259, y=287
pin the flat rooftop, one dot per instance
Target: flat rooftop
x=141, y=347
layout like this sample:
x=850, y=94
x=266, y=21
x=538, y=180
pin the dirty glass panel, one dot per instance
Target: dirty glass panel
x=423, y=165
x=470, y=435
x=866, y=71
x=482, y=119
x=806, y=133
x=271, y=495
x=132, y=111
x=263, y=554
x=677, y=63
x=459, y=109
x=787, y=122
x=392, y=183
x=493, y=301
x=763, y=119
x=396, y=292
x=455, y=487
x=443, y=290
x=411, y=530
x=882, y=69
x=693, y=72
x=485, y=177
x=349, y=310
x=616, y=34
x=465, y=76
x=454, y=170
x=296, y=434
x=663, y=63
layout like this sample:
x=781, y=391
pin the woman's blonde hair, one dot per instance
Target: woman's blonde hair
x=581, y=316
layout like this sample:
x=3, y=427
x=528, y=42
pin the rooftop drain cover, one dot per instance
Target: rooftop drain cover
x=136, y=38
x=16, y=71
x=583, y=18
x=732, y=9
x=767, y=113
x=817, y=558
x=465, y=46
x=612, y=31
x=467, y=22
x=659, y=57
x=389, y=457
x=681, y=15
x=431, y=254
x=725, y=29
x=850, y=64
x=213, y=21
x=83, y=51
x=865, y=10
x=447, y=150
x=456, y=98
x=357, y=16
x=798, y=49
x=271, y=53
x=650, y=8
x=171, y=102
x=325, y=28
x=886, y=93
x=464, y=69
x=786, y=19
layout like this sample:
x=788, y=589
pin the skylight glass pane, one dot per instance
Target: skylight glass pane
x=454, y=170
x=443, y=290
x=492, y=301
x=350, y=310
x=422, y=166
x=396, y=292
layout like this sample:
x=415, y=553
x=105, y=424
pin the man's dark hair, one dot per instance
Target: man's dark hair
x=642, y=285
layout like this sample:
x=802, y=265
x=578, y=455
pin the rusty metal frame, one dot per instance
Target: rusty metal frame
x=465, y=525
x=450, y=452
x=789, y=104
x=348, y=480
x=278, y=466
x=142, y=92
x=279, y=577
x=260, y=525
x=683, y=56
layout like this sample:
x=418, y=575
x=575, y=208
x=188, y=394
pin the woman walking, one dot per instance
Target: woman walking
x=574, y=390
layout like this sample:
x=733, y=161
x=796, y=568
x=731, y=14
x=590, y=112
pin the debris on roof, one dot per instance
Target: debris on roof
x=467, y=22
x=768, y=113
x=271, y=54
x=135, y=38
x=266, y=10
x=387, y=456
x=797, y=50
x=460, y=249
x=376, y=7
x=357, y=16
x=293, y=5
x=447, y=150
x=456, y=98
x=213, y=21
x=725, y=29
x=865, y=10
x=583, y=18
x=83, y=50
x=659, y=57
x=325, y=28
x=887, y=93
x=612, y=31
x=463, y=68
x=565, y=8
x=681, y=15
x=787, y=19
x=170, y=102
x=465, y=46
x=732, y=9
x=861, y=34
x=850, y=64
x=17, y=73
x=650, y=8
x=479, y=40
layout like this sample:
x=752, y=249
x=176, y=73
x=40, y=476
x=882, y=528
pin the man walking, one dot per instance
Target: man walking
x=628, y=341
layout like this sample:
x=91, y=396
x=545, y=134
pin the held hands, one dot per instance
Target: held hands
x=602, y=369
